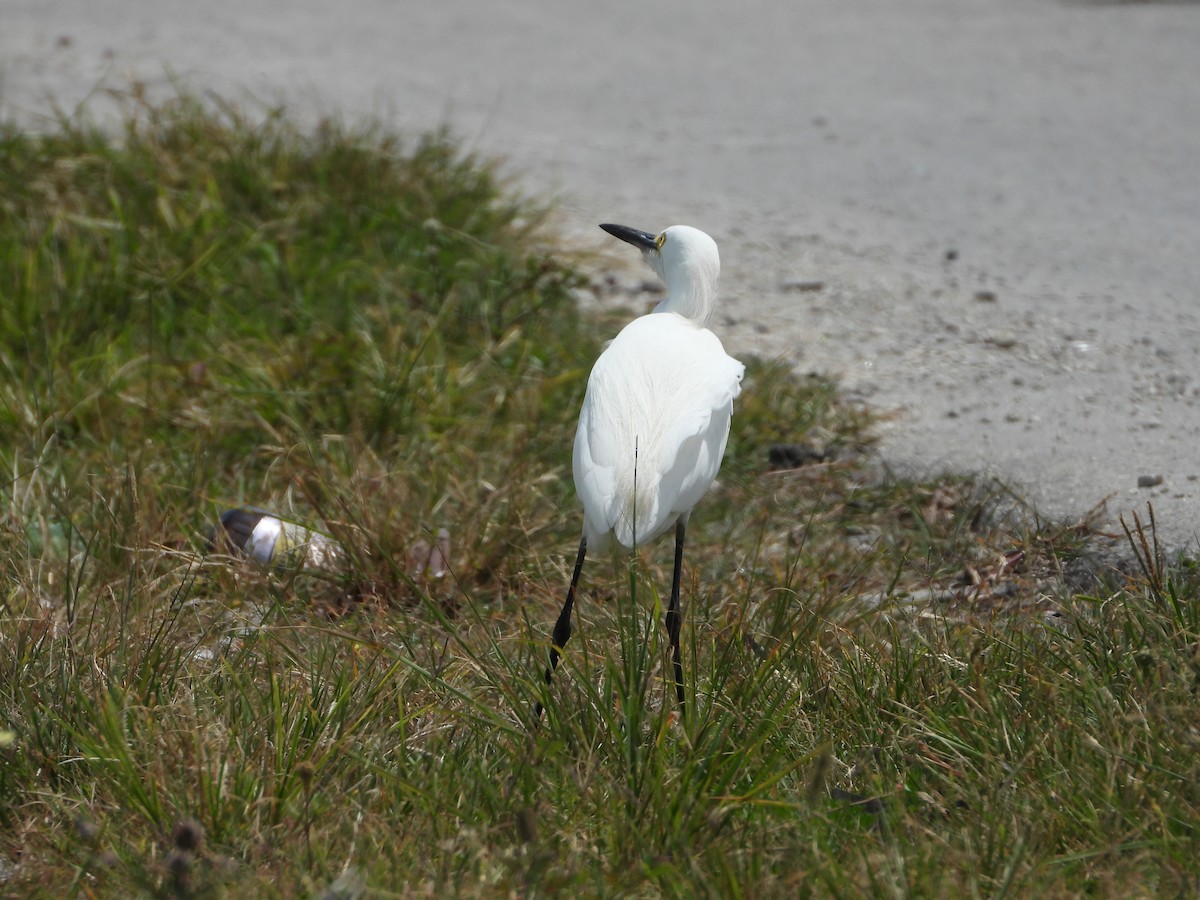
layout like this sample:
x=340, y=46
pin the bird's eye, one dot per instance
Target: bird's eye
x=660, y=240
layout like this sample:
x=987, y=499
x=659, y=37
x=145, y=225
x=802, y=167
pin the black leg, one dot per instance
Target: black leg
x=562, y=628
x=673, y=616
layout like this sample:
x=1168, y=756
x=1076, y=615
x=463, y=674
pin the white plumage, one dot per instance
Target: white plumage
x=656, y=415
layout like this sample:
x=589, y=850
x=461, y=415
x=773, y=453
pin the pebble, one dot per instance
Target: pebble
x=1149, y=481
x=985, y=296
x=806, y=286
x=793, y=456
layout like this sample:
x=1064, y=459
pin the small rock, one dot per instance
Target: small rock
x=985, y=296
x=188, y=834
x=1003, y=341
x=86, y=830
x=1149, y=481
x=793, y=456
x=806, y=286
x=950, y=255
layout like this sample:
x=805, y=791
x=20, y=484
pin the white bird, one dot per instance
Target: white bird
x=655, y=418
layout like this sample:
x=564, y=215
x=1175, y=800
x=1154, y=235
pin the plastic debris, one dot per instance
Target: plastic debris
x=272, y=540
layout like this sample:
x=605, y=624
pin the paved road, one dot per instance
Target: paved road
x=1051, y=147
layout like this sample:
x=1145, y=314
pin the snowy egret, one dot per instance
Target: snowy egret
x=655, y=418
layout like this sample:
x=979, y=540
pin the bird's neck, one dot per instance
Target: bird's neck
x=694, y=299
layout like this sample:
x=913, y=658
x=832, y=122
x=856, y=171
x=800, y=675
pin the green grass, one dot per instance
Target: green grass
x=378, y=337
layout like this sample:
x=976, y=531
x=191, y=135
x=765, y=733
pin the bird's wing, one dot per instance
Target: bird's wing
x=653, y=426
x=617, y=427
x=595, y=473
x=692, y=446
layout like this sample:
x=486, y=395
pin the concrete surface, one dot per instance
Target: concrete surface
x=1001, y=198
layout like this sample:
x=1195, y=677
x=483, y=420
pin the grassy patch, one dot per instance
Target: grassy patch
x=895, y=690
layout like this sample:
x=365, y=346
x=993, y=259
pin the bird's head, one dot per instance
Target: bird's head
x=687, y=261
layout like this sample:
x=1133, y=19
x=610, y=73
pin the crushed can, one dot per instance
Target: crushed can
x=272, y=540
